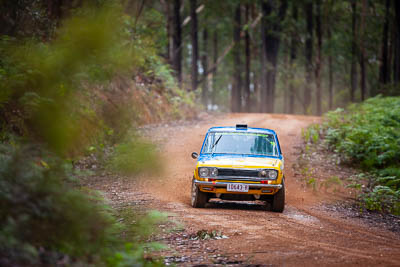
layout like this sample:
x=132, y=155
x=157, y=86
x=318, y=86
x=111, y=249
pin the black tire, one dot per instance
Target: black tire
x=278, y=202
x=199, y=199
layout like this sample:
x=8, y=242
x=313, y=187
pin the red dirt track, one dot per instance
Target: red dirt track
x=304, y=234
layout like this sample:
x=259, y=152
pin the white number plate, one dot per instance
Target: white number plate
x=237, y=187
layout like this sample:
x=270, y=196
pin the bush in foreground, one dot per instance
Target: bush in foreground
x=44, y=220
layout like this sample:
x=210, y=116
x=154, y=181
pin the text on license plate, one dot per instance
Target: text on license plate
x=237, y=187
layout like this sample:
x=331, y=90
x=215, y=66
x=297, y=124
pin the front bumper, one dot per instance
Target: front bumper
x=251, y=185
x=221, y=188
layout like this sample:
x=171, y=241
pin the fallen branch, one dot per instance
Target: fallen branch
x=228, y=49
x=188, y=18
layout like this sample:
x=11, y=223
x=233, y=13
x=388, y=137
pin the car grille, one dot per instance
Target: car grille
x=237, y=173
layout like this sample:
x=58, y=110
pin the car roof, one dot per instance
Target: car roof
x=241, y=130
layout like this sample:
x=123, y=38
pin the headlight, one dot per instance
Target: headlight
x=205, y=172
x=213, y=172
x=268, y=174
x=262, y=174
x=273, y=174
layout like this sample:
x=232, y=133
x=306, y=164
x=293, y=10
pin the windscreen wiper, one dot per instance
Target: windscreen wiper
x=216, y=142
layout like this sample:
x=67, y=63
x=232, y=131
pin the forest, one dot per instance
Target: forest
x=78, y=79
x=304, y=57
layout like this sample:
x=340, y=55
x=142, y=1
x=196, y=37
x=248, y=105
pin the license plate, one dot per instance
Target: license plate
x=237, y=187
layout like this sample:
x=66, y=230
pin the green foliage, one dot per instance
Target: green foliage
x=45, y=81
x=309, y=177
x=131, y=256
x=333, y=181
x=38, y=210
x=367, y=135
x=312, y=133
x=382, y=198
x=312, y=182
x=138, y=229
x=62, y=88
x=144, y=228
x=56, y=93
x=134, y=156
x=44, y=218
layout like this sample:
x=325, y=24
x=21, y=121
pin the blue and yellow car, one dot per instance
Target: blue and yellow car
x=239, y=163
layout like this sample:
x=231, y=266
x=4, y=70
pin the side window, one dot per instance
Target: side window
x=277, y=146
x=207, y=143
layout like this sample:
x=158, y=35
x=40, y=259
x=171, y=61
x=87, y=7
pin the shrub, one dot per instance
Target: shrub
x=367, y=135
x=133, y=156
x=43, y=219
x=382, y=198
x=40, y=214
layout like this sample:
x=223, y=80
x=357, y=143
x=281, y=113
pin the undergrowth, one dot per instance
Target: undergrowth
x=44, y=219
x=69, y=94
x=366, y=136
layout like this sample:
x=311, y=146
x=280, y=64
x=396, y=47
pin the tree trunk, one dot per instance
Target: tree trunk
x=293, y=55
x=195, y=46
x=138, y=13
x=308, y=8
x=256, y=57
x=353, y=71
x=318, y=63
x=328, y=11
x=254, y=100
x=362, y=51
x=396, y=65
x=204, y=61
x=330, y=81
x=248, y=62
x=391, y=45
x=286, y=81
x=54, y=8
x=271, y=40
x=396, y=60
x=263, y=73
x=236, y=97
x=214, y=73
x=384, y=68
x=228, y=49
x=168, y=16
x=177, y=42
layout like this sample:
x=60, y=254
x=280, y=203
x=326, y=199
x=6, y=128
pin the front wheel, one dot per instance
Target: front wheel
x=278, y=202
x=199, y=199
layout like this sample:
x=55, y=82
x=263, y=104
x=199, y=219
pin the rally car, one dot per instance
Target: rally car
x=239, y=163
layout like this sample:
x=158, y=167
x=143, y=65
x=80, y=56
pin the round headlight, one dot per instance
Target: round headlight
x=273, y=174
x=262, y=174
x=213, y=172
x=203, y=172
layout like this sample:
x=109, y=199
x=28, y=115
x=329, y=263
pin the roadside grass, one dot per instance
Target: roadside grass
x=365, y=136
x=310, y=178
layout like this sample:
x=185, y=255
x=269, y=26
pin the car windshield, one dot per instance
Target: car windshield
x=240, y=143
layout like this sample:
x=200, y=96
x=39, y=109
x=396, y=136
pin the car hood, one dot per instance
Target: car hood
x=238, y=161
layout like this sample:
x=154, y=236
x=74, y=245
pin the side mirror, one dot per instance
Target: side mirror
x=195, y=155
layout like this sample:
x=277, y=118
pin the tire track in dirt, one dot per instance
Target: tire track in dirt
x=303, y=234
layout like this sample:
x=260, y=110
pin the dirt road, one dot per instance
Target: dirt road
x=304, y=234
